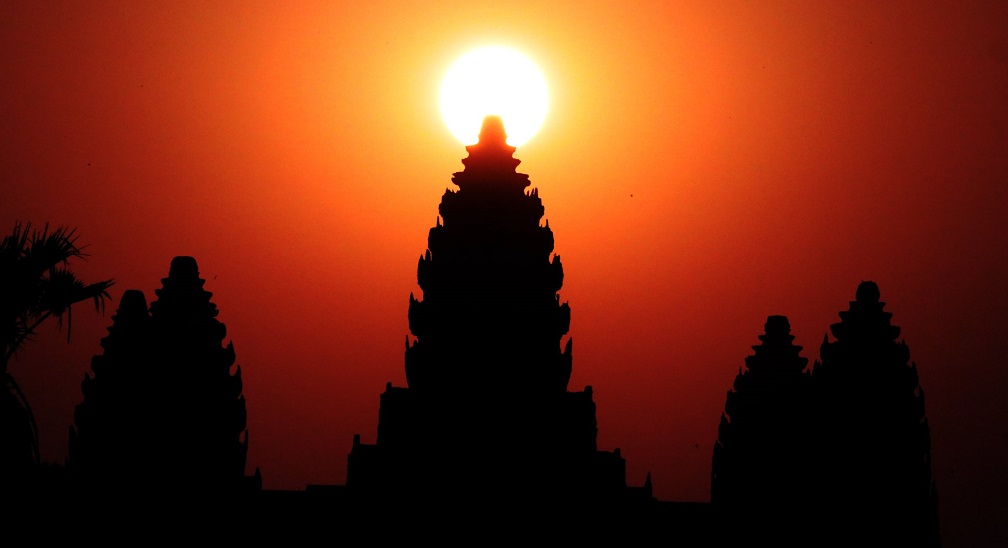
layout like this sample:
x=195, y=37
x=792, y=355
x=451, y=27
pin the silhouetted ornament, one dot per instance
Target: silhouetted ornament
x=873, y=461
x=487, y=412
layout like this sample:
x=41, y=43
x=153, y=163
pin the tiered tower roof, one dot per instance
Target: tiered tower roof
x=490, y=314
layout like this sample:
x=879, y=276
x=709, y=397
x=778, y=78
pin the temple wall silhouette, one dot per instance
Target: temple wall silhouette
x=827, y=455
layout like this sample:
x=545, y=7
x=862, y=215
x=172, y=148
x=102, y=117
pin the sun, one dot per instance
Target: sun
x=494, y=80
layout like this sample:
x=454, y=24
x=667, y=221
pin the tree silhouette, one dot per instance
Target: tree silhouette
x=36, y=284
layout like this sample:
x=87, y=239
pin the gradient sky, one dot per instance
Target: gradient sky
x=703, y=165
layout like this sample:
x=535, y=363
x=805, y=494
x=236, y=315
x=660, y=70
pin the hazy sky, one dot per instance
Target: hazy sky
x=703, y=165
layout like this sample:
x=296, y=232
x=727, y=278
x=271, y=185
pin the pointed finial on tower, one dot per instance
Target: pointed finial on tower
x=492, y=132
x=868, y=292
x=183, y=267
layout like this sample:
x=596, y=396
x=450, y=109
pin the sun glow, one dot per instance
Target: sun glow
x=494, y=80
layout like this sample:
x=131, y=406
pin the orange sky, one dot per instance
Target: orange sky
x=703, y=165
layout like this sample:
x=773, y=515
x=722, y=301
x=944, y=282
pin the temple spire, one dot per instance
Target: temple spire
x=491, y=158
x=492, y=133
x=487, y=409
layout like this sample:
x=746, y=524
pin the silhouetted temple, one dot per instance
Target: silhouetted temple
x=487, y=434
x=487, y=412
x=873, y=433
x=163, y=411
x=759, y=471
x=830, y=458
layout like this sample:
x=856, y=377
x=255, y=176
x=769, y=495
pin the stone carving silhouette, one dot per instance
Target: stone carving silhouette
x=759, y=473
x=873, y=464
x=487, y=411
x=163, y=404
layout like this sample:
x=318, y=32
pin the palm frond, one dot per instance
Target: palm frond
x=48, y=251
x=62, y=289
x=13, y=246
x=36, y=282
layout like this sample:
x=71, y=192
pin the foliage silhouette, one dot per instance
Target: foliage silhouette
x=36, y=284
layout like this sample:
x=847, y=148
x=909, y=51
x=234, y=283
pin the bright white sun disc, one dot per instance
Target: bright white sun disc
x=498, y=81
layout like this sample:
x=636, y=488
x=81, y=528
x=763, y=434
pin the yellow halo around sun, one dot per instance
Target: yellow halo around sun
x=494, y=80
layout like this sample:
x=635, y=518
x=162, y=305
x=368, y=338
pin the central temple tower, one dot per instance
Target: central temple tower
x=487, y=412
x=491, y=315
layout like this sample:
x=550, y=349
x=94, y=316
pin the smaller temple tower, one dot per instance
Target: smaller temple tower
x=108, y=442
x=872, y=468
x=759, y=468
x=164, y=409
